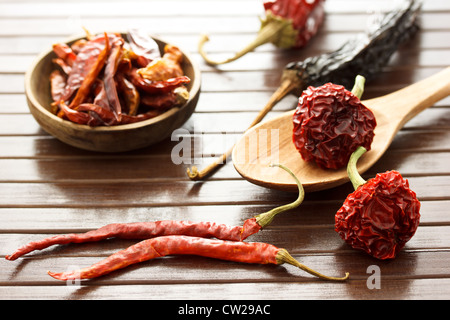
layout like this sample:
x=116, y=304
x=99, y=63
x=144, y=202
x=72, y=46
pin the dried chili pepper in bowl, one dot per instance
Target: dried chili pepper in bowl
x=381, y=215
x=287, y=24
x=330, y=122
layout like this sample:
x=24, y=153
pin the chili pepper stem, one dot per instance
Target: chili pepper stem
x=358, y=88
x=272, y=28
x=266, y=218
x=284, y=257
x=287, y=85
x=352, y=170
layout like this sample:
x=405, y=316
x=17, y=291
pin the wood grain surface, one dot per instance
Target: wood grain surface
x=48, y=188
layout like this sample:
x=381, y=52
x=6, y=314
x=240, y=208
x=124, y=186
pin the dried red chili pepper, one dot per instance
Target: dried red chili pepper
x=155, y=87
x=164, y=68
x=109, y=81
x=237, y=251
x=57, y=84
x=288, y=24
x=164, y=101
x=76, y=116
x=381, y=215
x=106, y=116
x=130, y=95
x=146, y=230
x=91, y=76
x=85, y=60
x=64, y=52
x=330, y=122
x=145, y=48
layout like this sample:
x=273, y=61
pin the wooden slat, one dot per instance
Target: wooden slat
x=393, y=289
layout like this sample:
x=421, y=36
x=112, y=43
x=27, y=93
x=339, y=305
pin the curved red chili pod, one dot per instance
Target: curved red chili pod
x=145, y=230
x=381, y=215
x=244, y=252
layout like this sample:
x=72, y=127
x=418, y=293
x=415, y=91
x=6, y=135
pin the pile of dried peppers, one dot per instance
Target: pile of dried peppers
x=162, y=238
x=104, y=80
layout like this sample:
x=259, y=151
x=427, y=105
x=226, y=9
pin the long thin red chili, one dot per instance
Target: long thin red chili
x=146, y=230
x=237, y=251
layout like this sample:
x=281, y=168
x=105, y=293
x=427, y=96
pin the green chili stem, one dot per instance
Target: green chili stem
x=284, y=257
x=268, y=33
x=266, y=218
x=358, y=88
x=352, y=171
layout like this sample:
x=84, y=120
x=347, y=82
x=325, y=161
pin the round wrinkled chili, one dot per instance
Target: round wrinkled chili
x=381, y=215
x=330, y=122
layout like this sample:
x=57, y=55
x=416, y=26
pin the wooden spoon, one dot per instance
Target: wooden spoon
x=271, y=141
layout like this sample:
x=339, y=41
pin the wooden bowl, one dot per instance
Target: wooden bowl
x=118, y=138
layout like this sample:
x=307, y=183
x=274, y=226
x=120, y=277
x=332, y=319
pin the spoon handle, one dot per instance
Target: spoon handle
x=406, y=103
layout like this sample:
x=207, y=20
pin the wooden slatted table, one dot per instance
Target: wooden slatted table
x=48, y=188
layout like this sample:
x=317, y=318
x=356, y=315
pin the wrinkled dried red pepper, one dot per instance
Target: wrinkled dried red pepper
x=381, y=215
x=237, y=251
x=146, y=230
x=330, y=122
x=287, y=24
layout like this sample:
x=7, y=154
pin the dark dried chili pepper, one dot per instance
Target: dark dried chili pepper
x=330, y=123
x=365, y=55
x=381, y=215
x=146, y=230
x=236, y=251
x=287, y=24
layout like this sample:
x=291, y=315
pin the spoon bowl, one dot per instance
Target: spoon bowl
x=271, y=141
